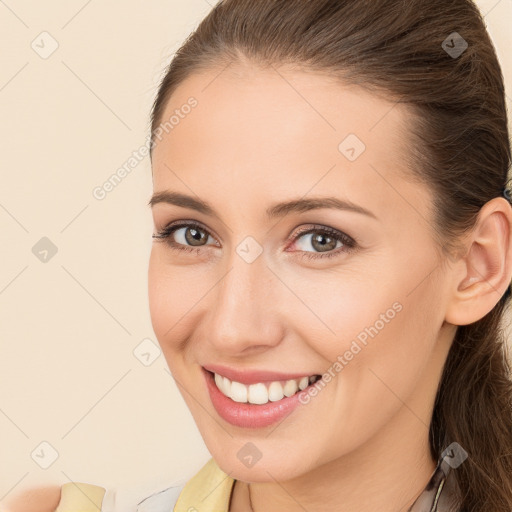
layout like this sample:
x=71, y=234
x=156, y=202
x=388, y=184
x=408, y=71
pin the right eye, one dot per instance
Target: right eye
x=191, y=233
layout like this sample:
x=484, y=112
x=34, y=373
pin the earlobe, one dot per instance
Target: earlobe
x=486, y=269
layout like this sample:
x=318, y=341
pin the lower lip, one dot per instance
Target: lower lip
x=249, y=415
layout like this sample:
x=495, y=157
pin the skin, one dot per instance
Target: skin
x=37, y=499
x=259, y=136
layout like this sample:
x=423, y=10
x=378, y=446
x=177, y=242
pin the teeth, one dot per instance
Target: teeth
x=219, y=380
x=238, y=392
x=259, y=393
x=275, y=392
x=304, y=382
x=291, y=387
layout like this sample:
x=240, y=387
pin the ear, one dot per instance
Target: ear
x=482, y=276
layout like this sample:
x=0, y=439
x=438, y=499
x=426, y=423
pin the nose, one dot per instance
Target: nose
x=245, y=313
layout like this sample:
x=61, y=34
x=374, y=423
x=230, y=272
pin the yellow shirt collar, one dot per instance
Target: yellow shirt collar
x=80, y=497
x=208, y=491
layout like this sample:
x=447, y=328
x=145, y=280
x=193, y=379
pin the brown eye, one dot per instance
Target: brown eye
x=186, y=236
x=323, y=240
x=195, y=236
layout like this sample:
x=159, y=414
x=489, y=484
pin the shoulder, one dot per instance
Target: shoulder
x=209, y=480
x=208, y=491
x=80, y=496
x=162, y=501
x=92, y=498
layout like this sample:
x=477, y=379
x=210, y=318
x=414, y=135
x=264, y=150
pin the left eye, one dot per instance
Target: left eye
x=324, y=240
x=192, y=236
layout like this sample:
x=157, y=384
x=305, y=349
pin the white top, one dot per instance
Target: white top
x=159, y=501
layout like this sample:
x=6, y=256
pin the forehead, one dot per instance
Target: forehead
x=288, y=131
x=255, y=96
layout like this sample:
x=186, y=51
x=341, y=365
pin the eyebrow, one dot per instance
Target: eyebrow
x=276, y=210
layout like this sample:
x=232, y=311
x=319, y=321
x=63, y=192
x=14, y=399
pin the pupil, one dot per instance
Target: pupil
x=325, y=245
x=194, y=235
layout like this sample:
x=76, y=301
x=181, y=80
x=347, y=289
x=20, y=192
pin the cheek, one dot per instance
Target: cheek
x=157, y=295
x=349, y=313
x=389, y=372
x=176, y=296
x=165, y=304
x=382, y=345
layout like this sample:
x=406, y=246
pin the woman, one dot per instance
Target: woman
x=332, y=257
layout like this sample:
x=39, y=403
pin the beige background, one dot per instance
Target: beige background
x=69, y=326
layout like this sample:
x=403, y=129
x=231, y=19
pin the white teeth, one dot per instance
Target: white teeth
x=290, y=388
x=238, y=392
x=304, y=383
x=226, y=386
x=275, y=392
x=259, y=393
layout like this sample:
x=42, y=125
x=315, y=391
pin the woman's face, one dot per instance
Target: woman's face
x=352, y=290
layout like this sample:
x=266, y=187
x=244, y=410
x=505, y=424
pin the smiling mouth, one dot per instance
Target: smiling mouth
x=261, y=393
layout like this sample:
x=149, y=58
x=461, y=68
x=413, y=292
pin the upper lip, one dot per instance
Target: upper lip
x=252, y=376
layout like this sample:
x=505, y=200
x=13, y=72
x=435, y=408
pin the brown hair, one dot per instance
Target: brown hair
x=459, y=147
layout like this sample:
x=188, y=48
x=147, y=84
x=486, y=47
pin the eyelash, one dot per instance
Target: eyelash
x=348, y=243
